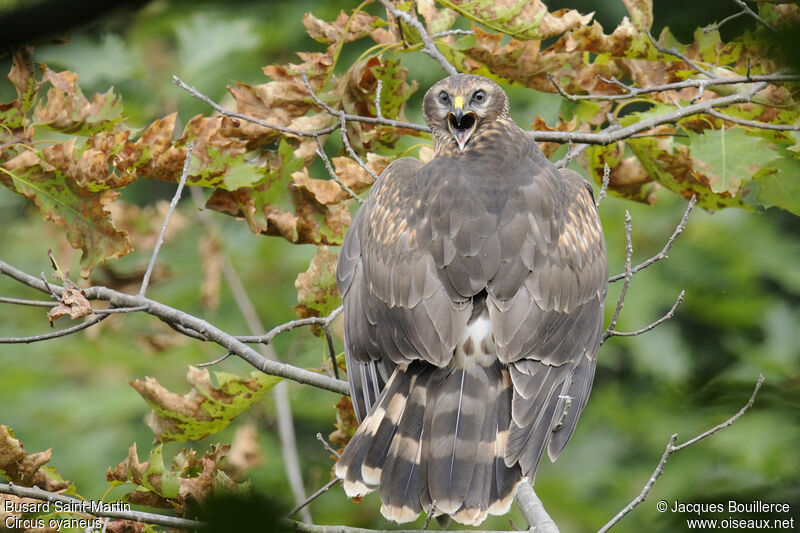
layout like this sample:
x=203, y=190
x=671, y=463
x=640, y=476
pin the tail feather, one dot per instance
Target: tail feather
x=349, y=467
x=458, y=414
x=400, y=477
x=434, y=441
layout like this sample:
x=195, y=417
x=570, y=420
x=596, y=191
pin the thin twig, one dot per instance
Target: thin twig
x=674, y=52
x=327, y=446
x=669, y=314
x=331, y=350
x=378, y=91
x=663, y=253
x=322, y=490
x=288, y=326
x=353, y=154
x=452, y=32
x=718, y=25
x=755, y=15
x=74, y=503
x=604, y=188
x=55, y=334
x=335, y=177
x=429, y=47
x=628, y=275
x=32, y=303
x=215, y=361
x=753, y=123
x=118, y=310
x=230, y=114
x=672, y=448
x=172, y=205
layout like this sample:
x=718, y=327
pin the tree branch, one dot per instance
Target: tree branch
x=533, y=510
x=172, y=205
x=611, y=332
x=54, y=334
x=663, y=253
x=32, y=303
x=185, y=320
x=672, y=448
x=137, y=516
x=428, y=43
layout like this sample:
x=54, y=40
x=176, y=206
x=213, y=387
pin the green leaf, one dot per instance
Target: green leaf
x=779, y=186
x=728, y=157
x=205, y=409
x=60, y=199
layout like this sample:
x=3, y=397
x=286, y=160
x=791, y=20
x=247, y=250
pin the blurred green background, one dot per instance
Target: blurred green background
x=740, y=318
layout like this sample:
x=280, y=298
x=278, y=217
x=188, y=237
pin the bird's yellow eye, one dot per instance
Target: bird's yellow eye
x=444, y=97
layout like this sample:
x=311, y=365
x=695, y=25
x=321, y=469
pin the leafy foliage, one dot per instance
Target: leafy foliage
x=71, y=155
x=205, y=409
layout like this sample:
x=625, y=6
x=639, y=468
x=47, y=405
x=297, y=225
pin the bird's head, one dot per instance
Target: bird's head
x=455, y=107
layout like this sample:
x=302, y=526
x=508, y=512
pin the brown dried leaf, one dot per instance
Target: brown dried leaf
x=73, y=303
x=189, y=479
x=541, y=125
x=346, y=423
x=22, y=468
x=345, y=28
x=317, y=293
x=523, y=19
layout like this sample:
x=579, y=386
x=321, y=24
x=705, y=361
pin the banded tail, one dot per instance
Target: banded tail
x=435, y=442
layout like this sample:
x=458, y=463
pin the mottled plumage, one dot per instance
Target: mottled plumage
x=473, y=294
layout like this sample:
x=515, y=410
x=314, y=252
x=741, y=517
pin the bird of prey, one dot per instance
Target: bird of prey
x=473, y=291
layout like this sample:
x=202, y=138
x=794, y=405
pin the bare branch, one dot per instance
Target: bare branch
x=753, y=123
x=215, y=361
x=292, y=324
x=327, y=162
x=189, y=322
x=32, y=303
x=327, y=446
x=718, y=25
x=667, y=316
x=674, y=52
x=672, y=448
x=628, y=275
x=172, y=205
x=74, y=503
x=230, y=114
x=663, y=253
x=55, y=334
x=429, y=45
x=378, y=91
x=533, y=510
x=353, y=154
x=604, y=188
x=119, y=310
x=452, y=32
x=614, y=134
x=322, y=490
x=746, y=9
x=700, y=83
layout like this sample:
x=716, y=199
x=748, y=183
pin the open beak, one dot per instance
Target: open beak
x=461, y=124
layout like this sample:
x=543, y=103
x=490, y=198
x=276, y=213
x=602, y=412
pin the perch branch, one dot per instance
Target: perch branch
x=533, y=510
x=672, y=448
